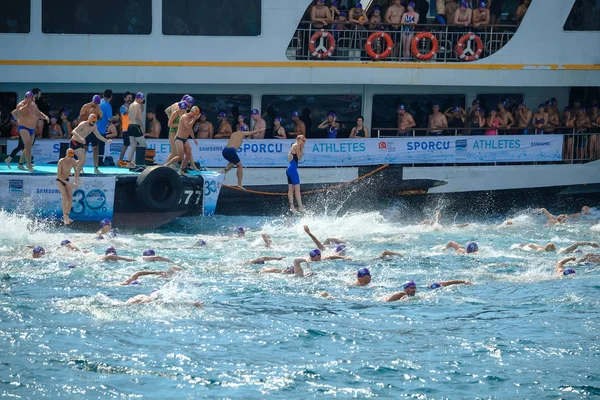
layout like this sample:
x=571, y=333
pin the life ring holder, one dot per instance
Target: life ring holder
x=464, y=46
x=369, y=45
x=414, y=46
x=321, y=51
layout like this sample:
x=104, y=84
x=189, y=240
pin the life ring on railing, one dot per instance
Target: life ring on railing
x=321, y=51
x=388, y=41
x=435, y=46
x=462, y=47
x=159, y=188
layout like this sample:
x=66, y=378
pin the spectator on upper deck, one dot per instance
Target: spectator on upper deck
x=394, y=14
x=437, y=122
x=477, y=122
x=539, y=119
x=320, y=15
x=331, y=124
x=440, y=7
x=278, y=130
x=341, y=22
x=506, y=119
x=463, y=15
x=569, y=124
x=153, y=126
x=357, y=16
x=553, y=121
x=260, y=125
x=481, y=16
x=333, y=9
x=405, y=121
x=582, y=124
x=521, y=10
x=375, y=20
x=224, y=130
x=576, y=106
x=493, y=122
x=451, y=7
x=495, y=7
x=299, y=127
x=204, y=129
x=409, y=20
x=360, y=131
x=523, y=116
x=240, y=123
x=456, y=119
x=65, y=124
x=594, y=147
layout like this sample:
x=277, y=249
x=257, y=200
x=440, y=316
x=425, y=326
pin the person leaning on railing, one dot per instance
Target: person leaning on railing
x=320, y=16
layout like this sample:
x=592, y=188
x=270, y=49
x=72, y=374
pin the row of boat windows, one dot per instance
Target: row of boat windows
x=134, y=17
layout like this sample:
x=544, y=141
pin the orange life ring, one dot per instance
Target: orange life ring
x=435, y=46
x=461, y=49
x=369, y=46
x=321, y=51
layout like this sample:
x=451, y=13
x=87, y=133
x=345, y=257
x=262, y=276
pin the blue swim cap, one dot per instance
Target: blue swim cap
x=455, y=109
x=38, y=250
x=182, y=105
x=278, y=119
x=401, y=107
x=100, y=237
x=221, y=114
x=110, y=250
x=244, y=128
x=135, y=283
x=408, y=284
x=29, y=95
x=340, y=248
x=255, y=112
x=260, y=262
x=472, y=247
x=185, y=97
x=190, y=100
x=435, y=285
x=289, y=270
x=295, y=114
x=200, y=243
x=139, y=95
x=314, y=253
x=65, y=242
x=148, y=253
x=343, y=14
x=541, y=105
x=239, y=230
x=363, y=272
x=358, y=5
x=71, y=266
x=96, y=99
x=568, y=271
x=104, y=222
x=331, y=114
x=435, y=106
x=476, y=101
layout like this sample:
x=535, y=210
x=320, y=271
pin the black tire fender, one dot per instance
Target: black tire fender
x=159, y=188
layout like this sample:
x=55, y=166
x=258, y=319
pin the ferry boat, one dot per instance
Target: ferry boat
x=237, y=56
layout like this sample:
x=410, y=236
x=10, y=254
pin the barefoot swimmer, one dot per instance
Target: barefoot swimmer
x=294, y=156
x=78, y=143
x=230, y=152
x=184, y=132
x=64, y=186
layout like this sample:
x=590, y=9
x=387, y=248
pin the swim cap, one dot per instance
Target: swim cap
x=494, y=110
x=278, y=119
x=335, y=3
x=29, y=95
x=363, y=272
x=401, y=107
x=476, y=101
x=185, y=97
x=314, y=253
x=411, y=4
x=92, y=118
x=255, y=112
x=260, y=261
x=295, y=114
x=38, y=250
x=241, y=116
x=221, y=114
x=96, y=99
x=70, y=152
x=135, y=283
x=202, y=114
x=200, y=243
x=340, y=248
x=502, y=102
x=568, y=271
x=541, y=105
x=100, y=237
x=482, y=4
x=239, y=230
x=478, y=110
x=71, y=266
x=436, y=106
x=523, y=103
x=139, y=95
x=104, y=222
x=550, y=247
x=65, y=242
x=464, y=4
x=110, y=250
x=585, y=210
x=244, y=128
x=301, y=138
x=435, y=285
x=561, y=218
x=195, y=110
x=148, y=253
x=549, y=103
x=289, y=270
x=358, y=5
x=182, y=105
x=331, y=114
x=320, y=1
x=343, y=14
x=455, y=109
x=53, y=117
x=408, y=284
x=472, y=247
x=190, y=100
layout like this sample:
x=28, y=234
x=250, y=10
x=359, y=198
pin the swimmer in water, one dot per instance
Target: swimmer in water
x=315, y=255
x=537, y=247
x=66, y=244
x=576, y=245
x=262, y=260
x=387, y=254
x=111, y=255
x=471, y=248
x=239, y=232
x=200, y=243
x=156, y=295
x=38, y=252
x=585, y=211
x=105, y=227
x=434, y=221
x=295, y=269
x=437, y=285
x=409, y=290
x=552, y=219
x=363, y=277
x=63, y=171
x=267, y=239
x=173, y=269
x=321, y=246
x=560, y=267
x=150, y=256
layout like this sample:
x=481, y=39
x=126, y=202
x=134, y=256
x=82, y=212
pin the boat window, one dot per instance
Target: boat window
x=111, y=17
x=211, y=18
x=8, y=102
x=313, y=110
x=15, y=16
x=584, y=16
x=385, y=114
x=232, y=104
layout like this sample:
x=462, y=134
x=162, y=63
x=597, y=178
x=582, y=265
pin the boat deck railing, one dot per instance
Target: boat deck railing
x=349, y=44
x=578, y=147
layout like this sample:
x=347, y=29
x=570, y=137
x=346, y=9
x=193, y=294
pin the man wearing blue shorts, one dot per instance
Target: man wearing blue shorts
x=231, y=149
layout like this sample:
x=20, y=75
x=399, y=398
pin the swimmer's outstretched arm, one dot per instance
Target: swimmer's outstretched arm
x=298, y=271
x=547, y=214
x=388, y=253
x=336, y=257
x=454, y=245
x=533, y=246
x=156, y=259
x=395, y=297
x=267, y=239
x=560, y=265
x=575, y=245
x=113, y=257
x=314, y=239
x=455, y=282
x=333, y=241
x=138, y=274
x=261, y=260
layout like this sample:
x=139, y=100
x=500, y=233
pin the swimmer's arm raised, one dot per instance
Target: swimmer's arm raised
x=298, y=271
x=561, y=263
x=547, y=214
x=574, y=247
x=314, y=239
x=455, y=282
x=137, y=275
x=454, y=245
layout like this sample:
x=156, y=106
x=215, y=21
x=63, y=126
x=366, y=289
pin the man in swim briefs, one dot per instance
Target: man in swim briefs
x=78, y=143
x=230, y=153
x=27, y=115
x=64, y=186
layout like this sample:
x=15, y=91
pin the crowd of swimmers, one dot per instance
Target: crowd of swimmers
x=328, y=249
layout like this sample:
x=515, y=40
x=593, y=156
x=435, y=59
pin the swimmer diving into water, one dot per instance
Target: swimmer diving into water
x=230, y=153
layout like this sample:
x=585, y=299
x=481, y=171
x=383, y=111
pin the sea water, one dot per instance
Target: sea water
x=519, y=332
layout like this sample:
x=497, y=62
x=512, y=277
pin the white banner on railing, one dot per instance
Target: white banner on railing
x=350, y=152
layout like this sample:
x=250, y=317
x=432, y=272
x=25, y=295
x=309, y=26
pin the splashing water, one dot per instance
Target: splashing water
x=71, y=332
